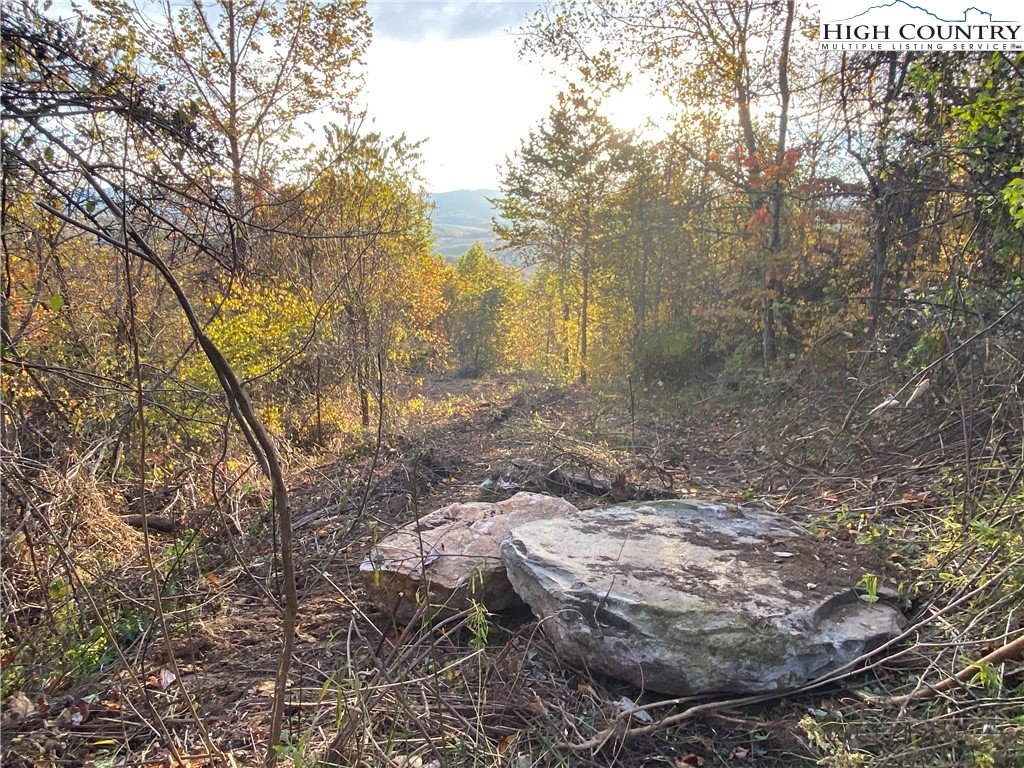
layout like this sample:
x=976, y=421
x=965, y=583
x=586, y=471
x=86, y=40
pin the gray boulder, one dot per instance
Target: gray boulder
x=437, y=565
x=687, y=597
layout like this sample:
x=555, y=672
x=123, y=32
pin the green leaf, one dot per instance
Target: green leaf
x=56, y=302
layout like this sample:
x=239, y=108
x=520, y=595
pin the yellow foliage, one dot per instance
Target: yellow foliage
x=261, y=328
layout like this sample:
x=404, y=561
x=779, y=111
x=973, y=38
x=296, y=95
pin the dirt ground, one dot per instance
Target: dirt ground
x=366, y=692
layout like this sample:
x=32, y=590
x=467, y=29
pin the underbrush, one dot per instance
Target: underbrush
x=190, y=640
x=919, y=451
x=59, y=550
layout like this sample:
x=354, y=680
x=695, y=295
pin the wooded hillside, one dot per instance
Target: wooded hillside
x=232, y=360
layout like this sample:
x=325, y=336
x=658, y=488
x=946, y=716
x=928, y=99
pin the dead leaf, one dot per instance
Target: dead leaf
x=917, y=498
x=919, y=390
x=266, y=688
x=20, y=705
x=689, y=760
x=76, y=714
x=161, y=681
x=54, y=684
x=166, y=679
x=626, y=704
x=538, y=706
x=506, y=742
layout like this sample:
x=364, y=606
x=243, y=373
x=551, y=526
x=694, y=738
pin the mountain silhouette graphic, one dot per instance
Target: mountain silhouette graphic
x=902, y=4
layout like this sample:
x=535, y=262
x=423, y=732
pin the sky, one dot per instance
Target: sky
x=450, y=72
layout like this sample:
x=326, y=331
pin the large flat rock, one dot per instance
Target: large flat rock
x=687, y=597
x=437, y=565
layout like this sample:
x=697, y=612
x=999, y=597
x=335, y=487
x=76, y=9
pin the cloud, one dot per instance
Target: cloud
x=417, y=20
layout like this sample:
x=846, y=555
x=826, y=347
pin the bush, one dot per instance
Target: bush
x=676, y=354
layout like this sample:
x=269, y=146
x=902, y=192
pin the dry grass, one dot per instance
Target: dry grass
x=488, y=691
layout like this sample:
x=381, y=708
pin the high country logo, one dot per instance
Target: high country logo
x=900, y=25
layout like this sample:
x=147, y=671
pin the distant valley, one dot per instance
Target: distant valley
x=461, y=218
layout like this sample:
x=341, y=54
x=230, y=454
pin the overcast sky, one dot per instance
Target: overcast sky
x=449, y=72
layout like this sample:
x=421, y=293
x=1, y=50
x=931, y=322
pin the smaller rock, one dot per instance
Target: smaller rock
x=452, y=556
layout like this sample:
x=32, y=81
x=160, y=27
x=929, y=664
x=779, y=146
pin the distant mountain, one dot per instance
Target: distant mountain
x=461, y=218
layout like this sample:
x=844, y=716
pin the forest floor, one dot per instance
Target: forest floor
x=366, y=692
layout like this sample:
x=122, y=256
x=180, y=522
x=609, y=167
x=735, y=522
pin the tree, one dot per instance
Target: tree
x=872, y=94
x=368, y=231
x=986, y=122
x=251, y=71
x=554, y=190
x=932, y=138
x=86, y=130
x=485, y=291
x=744, y=61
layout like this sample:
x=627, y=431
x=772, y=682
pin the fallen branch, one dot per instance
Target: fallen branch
x=1009, y=651
x=619, y=728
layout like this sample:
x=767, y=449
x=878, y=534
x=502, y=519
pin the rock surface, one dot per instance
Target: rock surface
x=452, y=556
x=687, y=597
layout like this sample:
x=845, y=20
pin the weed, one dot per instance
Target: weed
x=479, y=626
x=869, y=583
x=293, y=749
x=828, y=739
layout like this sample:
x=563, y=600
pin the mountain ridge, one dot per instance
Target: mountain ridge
x=462, y=217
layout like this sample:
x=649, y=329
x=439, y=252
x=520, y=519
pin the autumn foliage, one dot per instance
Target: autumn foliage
x=195, y=301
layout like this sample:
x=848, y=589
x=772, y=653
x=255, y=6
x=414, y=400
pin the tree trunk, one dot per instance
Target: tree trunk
x=238, y=237
x=773, y=275
x=584, y=311
x=879, y=257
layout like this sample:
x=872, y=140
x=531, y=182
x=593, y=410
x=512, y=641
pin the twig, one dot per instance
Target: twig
x=1007, y=652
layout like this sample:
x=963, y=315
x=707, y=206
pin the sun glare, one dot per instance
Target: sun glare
x=637, y=108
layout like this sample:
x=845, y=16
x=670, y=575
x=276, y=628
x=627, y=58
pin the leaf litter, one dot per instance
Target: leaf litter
x=375, y=677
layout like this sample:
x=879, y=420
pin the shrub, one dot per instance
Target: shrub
x=676, y=353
